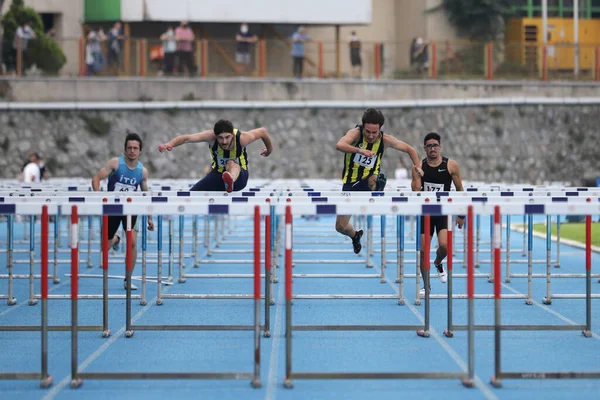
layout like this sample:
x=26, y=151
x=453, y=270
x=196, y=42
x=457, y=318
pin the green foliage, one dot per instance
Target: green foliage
x=44, y=52
x=480, y=20
x=96, y=125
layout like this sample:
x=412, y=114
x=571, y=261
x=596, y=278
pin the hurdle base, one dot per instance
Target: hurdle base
x=267, y=333
x=288, y=383
x=12, y=301
x=587, y=333
x=129, y=333
x=256, y=384
x=76, y=383
x=448, y=333
x=423, y=333
x=468, y=383
x=46, y=382
x=547, y=301
x=106, y=333
x=496, y=382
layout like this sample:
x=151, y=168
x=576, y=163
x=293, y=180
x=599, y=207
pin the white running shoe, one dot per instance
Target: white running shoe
x=133, y=287
x=422, y=292
x=442, y=274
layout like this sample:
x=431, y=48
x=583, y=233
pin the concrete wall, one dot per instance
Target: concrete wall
x=177, y=89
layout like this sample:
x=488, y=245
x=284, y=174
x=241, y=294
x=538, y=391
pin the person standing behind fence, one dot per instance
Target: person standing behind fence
x=243, y=39
x=22, y=37
x=125, y=173
x=185, y=44
x=355, y=59
x=438, y=175
x=169, y=45
x=298, y=40
x=94, y=59
x=114, y=48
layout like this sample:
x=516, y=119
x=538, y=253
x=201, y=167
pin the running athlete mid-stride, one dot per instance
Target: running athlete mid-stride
x=438, y=175
x=229, y=167
x=363, y=147
x=125, y=173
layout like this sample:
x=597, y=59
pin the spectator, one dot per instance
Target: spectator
x=32, y=172
x=298, y=40
x=169, y=45
x=401, y=172
x=51, y=33
x=355, y=55
x=185, y=42
x=22, y=36
x=114, y=48
x=242, y=48
x=94, y=59
x=420, y=55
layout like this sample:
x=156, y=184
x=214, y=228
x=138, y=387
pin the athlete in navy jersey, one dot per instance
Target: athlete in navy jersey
x=229, y=168
x=363, y=148
x=438, y=175
x=125, y=174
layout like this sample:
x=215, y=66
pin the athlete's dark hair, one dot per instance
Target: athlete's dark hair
x=223, y=126
x=373, y=116
x=434, y=136
x=133, y=136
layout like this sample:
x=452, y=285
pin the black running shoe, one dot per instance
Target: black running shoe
x=356, y=241
x=381, y=181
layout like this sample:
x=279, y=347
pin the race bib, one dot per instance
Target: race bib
x=121, y=187
x=222, y=162
x=433, y=187
x=364, y=161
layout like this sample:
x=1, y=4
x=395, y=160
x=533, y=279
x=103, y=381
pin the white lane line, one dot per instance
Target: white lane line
x=482, y=386
x=276, y=339
x=81, y=367
x=551, y=311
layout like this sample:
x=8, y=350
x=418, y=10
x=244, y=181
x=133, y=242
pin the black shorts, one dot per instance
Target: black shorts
x=355, y=60
x=213, y=182
x=115, y=220
x=360, y=186
x=437, y=223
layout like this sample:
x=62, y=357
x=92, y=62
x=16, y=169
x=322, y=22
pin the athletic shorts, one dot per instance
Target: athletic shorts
x=437, y=223
x=114, y=221
x=213, y=182
x=360, y=186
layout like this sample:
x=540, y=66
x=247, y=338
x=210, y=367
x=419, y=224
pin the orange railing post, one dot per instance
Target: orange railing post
x=19, y=60
x=142, y=55
x=262, y=61
x=544, y=63
x=490, y=61
x=597, y=63
x=82, y=64
x=434, y=74
x=377, y=60
x=321, y=72
x=204, y=50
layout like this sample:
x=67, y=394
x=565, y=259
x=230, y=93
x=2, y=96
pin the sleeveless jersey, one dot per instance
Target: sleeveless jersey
x=220, y=156
x=124, y=179
x=436, y=179
x=357, y=166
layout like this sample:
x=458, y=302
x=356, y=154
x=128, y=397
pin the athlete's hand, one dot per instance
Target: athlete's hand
x=150, y=224
x=419, y=171
x=460, y=222
x=164, y=147
x=366, y=153
x=264, y=152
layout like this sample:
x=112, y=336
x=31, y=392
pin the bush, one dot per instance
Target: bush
x=44, y=52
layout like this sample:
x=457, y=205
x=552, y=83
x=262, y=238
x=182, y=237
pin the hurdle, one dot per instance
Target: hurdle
x=466, y=377
x=43, y=375
x=499, y=374
x=78, y=377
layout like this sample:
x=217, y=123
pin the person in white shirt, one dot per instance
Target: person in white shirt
x=31, y=172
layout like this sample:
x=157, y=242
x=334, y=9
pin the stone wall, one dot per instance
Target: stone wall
x=521, y=144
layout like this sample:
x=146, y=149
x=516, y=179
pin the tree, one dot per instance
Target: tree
x=479, y=20
x=44, y=52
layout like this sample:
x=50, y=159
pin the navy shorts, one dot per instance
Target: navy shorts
x=213, y=182
x=360, y=186
x=437, y=223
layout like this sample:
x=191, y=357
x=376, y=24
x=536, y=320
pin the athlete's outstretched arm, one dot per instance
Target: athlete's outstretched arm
x=454, y=171
x=346, y=143
x=390, y=141
x=205, y=136
x=259, y=133
x=110, y=167
x=415, y=183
